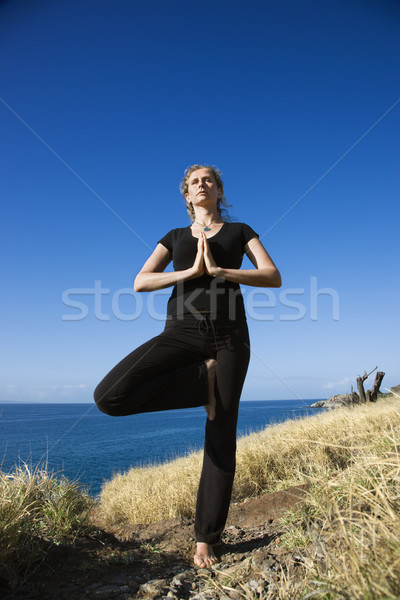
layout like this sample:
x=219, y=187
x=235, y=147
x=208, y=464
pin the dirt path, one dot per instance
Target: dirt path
x=155, y=560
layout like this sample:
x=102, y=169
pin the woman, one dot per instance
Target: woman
x=201, y=357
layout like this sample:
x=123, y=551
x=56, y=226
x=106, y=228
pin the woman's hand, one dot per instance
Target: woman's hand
x=204, y=261
x=198, y=269
x=210, y=264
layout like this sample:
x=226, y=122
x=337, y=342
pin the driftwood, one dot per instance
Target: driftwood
x=370, y=395
x=353, y=397
x=377, y=384
x=360, y=387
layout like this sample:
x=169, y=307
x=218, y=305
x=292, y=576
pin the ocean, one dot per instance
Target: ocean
x=83, y=444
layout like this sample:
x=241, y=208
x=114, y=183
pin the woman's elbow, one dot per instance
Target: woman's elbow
x=274, y=279
x=277, y=279
x=138, y=284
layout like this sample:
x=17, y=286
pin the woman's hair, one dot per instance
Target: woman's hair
x=222, y=204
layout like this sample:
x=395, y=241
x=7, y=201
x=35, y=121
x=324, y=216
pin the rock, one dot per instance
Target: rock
x=233, y=530
x=236, y=596
x=154, y=588
x=338, y=400
x=231, y=570
x=316, y=550
x=348, y=399
x=184, y=579
x=319, y=404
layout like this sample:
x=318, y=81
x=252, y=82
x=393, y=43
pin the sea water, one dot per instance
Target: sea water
x=83, y=444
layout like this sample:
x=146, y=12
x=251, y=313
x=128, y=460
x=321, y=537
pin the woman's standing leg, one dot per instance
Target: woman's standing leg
x=219, y=462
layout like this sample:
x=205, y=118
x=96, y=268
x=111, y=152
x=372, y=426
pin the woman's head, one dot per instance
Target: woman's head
x=216, y=175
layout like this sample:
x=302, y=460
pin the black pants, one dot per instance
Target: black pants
x=169, y=372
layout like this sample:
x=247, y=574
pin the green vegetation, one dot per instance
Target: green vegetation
x=38, y=509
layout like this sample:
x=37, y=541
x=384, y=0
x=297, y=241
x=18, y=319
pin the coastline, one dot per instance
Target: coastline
x=86, y=445
x=351, y=399
x=280, y=538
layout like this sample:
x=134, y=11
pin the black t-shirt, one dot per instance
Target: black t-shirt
x=207, y=293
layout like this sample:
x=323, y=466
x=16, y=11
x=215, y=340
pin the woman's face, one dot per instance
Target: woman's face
x=202, y=188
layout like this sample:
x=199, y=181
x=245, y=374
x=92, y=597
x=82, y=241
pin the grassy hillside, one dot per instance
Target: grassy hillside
x=38, y=509
x=346, y=534
x=294, y=452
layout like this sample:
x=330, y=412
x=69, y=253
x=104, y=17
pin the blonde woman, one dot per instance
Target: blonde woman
x=202, y=355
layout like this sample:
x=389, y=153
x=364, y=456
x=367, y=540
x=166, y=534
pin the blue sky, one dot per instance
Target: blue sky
x=102, y=107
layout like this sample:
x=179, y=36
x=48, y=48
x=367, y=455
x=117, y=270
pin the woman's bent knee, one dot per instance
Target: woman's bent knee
x=106, y=403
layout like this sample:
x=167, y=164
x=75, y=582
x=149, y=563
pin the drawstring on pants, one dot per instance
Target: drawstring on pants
x=204, y=325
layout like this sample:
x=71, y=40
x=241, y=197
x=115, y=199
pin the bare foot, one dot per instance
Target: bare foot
x=204, y=557
x=211, y=370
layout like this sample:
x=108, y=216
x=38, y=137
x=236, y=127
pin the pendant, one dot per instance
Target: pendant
x=207, y=229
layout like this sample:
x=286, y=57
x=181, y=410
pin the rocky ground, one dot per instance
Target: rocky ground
x=155, y=560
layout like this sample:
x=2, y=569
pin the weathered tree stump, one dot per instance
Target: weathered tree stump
x=377, y=384
x=360, y=387
x=370, y=395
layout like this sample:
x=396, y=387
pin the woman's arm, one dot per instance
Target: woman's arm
x=265, y=273
x=151, y=276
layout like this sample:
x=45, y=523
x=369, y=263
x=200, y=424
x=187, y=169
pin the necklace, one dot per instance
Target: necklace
x=205, y=227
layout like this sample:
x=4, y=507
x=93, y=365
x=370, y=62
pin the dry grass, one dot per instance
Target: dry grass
x=291, y=453
x=148, y=494
x=347, y=531
x=38, y=508
x=361, y=514
x=349, y=528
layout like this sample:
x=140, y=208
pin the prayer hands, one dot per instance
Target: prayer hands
x=199, y=267
x=210, y=264
x=204, y=261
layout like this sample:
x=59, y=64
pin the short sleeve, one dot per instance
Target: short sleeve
x=248, y=233
x=167, y=241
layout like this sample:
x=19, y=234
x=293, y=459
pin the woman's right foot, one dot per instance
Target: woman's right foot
x=211, y=365
x=204, y=557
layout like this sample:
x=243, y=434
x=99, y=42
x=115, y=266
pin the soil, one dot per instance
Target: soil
x=156, y=560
